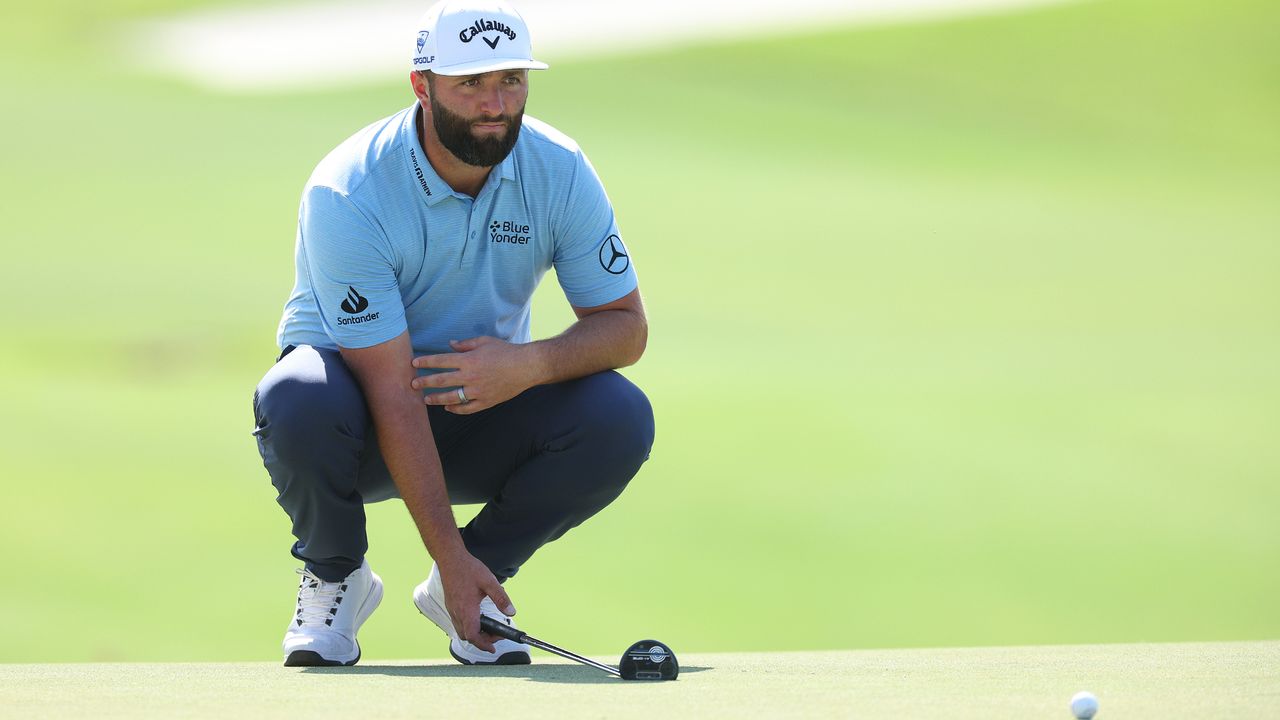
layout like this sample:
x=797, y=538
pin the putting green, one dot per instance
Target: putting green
x=1199, y=680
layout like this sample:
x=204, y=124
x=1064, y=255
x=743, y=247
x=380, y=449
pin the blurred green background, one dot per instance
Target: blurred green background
x=963, y=333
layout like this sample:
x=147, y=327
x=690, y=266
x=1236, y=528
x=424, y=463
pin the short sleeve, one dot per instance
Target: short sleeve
x=351, y=270
x=592, y=264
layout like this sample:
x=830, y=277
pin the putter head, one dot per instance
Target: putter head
x=649, y=660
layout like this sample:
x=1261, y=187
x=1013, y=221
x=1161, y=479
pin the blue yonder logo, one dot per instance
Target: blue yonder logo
x=510, y=232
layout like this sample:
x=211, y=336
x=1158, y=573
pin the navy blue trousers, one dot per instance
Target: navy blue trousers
x=542, y=462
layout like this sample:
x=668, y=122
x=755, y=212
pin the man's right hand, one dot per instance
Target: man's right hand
x=466, y=582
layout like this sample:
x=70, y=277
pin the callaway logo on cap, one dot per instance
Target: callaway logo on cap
x=469, y=37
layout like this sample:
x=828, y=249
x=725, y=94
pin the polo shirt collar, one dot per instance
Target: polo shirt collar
x=507, y=168
x=429, y=184
x=426, y=181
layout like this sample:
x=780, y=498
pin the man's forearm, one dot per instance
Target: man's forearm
x=596, y=342
x=404, y=437
x=409, y=450
x=486, y=371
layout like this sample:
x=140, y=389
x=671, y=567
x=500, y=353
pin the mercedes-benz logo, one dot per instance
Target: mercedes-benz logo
x=613, y=256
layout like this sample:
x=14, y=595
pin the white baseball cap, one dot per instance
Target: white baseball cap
x=469, y=37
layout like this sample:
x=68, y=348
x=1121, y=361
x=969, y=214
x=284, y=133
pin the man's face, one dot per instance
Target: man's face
x=478, y=117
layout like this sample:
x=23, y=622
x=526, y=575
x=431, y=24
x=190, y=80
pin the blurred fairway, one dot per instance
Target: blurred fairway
x=962, y=334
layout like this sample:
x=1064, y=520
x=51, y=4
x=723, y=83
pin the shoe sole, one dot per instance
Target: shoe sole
x=515, y=657
x=311, y=658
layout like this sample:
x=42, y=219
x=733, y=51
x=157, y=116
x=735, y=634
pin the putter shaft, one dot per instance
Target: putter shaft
x=572, y=656
x=494, y=627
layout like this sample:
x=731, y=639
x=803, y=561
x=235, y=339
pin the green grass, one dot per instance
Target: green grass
x=963, y=333
x=1192, y=680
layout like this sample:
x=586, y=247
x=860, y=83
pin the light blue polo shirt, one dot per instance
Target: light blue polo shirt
x=384, y=245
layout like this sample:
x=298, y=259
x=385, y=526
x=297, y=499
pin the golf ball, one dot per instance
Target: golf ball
x=1084, y=705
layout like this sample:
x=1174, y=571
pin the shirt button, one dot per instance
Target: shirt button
x=473, y=233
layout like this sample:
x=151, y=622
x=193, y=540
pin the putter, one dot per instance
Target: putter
x=644, y=660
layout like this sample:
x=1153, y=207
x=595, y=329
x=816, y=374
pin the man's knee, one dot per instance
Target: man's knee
x=301, y=413
x=619, y=422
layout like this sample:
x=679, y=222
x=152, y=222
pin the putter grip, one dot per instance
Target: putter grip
x=493, y=627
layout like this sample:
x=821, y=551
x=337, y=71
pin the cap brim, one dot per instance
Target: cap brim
x=483, y=66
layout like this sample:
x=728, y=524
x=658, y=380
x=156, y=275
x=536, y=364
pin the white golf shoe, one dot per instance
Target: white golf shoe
x=328, y=616
x=429, y=598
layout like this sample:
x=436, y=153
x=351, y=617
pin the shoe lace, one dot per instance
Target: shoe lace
x=318, y=600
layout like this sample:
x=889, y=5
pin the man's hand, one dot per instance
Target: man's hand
x=466, y=583
x=489, y=371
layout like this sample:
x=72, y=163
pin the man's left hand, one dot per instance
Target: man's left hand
x=489, y=371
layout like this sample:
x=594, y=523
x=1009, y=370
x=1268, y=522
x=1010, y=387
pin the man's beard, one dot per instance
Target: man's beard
x=455, y=134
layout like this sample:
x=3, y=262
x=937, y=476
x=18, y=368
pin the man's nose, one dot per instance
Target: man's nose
x=491, y=103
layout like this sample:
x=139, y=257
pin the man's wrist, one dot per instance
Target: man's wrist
x=538, y=363
x=451, y=557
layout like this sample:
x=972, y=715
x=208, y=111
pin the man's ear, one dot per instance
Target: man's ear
x=421, y=86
